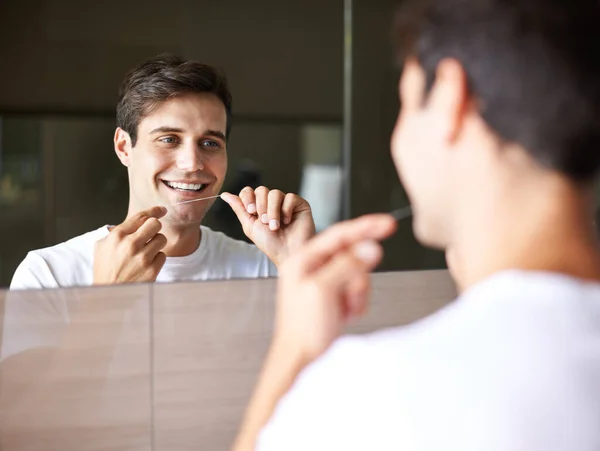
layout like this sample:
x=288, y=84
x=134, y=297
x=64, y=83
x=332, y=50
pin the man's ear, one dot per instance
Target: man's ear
x=449, y=97
x=123, y=146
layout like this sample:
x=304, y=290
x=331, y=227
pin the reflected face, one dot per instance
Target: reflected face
x=180, y=155
x=418, y=145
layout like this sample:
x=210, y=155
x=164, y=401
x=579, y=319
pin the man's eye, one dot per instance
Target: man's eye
x=169, y=140
x=211, y=144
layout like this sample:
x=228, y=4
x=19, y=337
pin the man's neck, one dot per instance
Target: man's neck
x=553, y=232
x=181, y=241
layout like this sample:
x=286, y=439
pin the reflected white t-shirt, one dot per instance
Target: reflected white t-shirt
x=71, y=263
x=512, y=365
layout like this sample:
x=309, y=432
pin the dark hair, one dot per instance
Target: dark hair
x=533, y=66
x=162, y=78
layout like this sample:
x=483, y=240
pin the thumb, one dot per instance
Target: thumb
x=239, y=209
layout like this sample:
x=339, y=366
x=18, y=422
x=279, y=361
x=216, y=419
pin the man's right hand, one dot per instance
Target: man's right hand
x=132, y=250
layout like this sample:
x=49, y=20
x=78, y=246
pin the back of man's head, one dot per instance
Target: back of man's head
x=532, y=65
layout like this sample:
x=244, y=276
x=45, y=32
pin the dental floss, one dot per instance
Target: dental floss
x=402, y=213
x=195, y=200
x=399, y=214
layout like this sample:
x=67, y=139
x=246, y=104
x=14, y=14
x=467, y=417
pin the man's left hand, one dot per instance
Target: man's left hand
x=278, y=223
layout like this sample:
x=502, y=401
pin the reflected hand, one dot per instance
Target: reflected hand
x=132, y=250
x=276, y=222
x=326, y=283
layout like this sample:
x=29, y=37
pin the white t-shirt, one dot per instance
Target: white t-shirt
x=39, y=318
x=512, y=365
x=71, y=263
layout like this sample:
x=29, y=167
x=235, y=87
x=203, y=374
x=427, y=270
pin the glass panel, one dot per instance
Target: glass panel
x=59, y=176
x=301, y=158
x=374, y=184
x=22, y=196
x=90, y=184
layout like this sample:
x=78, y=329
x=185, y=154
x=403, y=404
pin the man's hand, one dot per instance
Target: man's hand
x=327, y=283
x=322, y=286
x=276, y=222
x=132, y=250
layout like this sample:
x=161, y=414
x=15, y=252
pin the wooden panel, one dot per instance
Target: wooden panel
x=209, y=343
x=400, y=298
x=210, y=339
x=78, y=374
x=122, y=373
x=2, y=303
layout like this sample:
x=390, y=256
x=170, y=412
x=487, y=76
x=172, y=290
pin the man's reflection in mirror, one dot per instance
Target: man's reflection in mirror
x=173, y=126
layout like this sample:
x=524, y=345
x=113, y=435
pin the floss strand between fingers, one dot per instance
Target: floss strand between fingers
x=195, y=200
x=402, y=213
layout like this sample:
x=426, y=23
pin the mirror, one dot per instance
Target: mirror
x=59, y=175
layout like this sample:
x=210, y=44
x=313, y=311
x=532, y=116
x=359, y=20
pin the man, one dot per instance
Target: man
x=497, y=144
x=173, y=120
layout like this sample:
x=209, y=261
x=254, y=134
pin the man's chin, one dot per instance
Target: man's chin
x=176, y=218
x=426, y=235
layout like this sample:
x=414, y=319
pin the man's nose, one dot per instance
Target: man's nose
x=190, y=158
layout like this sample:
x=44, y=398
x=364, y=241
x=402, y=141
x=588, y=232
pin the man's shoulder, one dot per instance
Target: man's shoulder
x=81, y=246
x=46, y=267
x=343, y=400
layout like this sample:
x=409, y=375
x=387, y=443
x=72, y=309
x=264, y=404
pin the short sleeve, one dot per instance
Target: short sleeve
x=33, y=273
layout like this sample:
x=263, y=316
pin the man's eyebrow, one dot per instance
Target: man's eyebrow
x=216, y=134
x=166, y=130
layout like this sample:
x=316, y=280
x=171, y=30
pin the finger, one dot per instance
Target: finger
x=239, y=209
x=341, y=236
x=132, y=224
x=357, y=295
x=341, y=270
x=155, y=245
x=146, y=232
x=290, y=204
x=345, y=277
x=154, y=269
x=159, y=261
x=275, y=202
x=248, y=199
x=262, y=193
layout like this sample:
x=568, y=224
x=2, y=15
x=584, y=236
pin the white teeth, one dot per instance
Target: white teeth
x=185, y=186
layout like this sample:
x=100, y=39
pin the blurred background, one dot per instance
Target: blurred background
x=314, y=86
